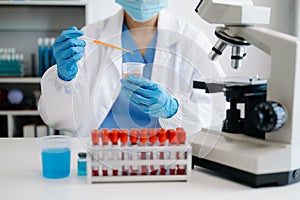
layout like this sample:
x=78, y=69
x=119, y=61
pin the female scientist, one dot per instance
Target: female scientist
x=86, y=91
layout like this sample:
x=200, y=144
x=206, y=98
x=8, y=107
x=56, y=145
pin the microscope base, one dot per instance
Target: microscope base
x=251, y=161
x=253, y=180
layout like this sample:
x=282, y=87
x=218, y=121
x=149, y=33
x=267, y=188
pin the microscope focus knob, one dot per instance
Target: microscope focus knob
x=268, y=116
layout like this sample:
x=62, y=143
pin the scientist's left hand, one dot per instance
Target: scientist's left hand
x=149, y=97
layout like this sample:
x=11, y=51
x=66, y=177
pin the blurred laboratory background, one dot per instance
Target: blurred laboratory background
x=28, y=29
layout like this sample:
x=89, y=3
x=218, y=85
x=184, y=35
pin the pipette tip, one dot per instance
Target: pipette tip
x=98, y=42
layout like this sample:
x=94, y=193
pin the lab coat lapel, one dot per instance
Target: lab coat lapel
x=112, y=35
x=111, y=66
x=168, y=36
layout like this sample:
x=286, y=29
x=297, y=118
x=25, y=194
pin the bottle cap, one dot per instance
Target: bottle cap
x=134, y=136
x=162, y=135
x=181, y=135
x=82, y=155
x=95, y=134
x=152, y=135
x=124, y=135
x=114, y=136
x=105, y=136
x=172, y=136
x=143, y=134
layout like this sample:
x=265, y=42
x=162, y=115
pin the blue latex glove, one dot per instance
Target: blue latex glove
x=67, y=51
x=149, y=97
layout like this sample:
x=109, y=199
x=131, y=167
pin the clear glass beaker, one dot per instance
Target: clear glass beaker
x=133, y=68
x=56, y=156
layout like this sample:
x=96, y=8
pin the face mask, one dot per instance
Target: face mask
x=143, y=10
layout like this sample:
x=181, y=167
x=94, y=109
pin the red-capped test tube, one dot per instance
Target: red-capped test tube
x=114, y=138
x=134, y=155
x=181, y=139
x=95, y=135
x=162, y=138
x=124, y=156
x=173, y=141
x=105, y=144
x=153, y=156
x=143, y=155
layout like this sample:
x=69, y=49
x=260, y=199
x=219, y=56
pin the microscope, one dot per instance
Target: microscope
x=262, y=148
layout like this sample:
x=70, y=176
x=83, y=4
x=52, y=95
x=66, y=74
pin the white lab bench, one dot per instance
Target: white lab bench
x=21, y=178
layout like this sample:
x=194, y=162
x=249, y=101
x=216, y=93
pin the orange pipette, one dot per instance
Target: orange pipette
x=106, y=44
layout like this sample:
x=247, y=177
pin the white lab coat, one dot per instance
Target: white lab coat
x=82, y=104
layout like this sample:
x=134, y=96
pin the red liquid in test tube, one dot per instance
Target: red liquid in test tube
x=124, y=143
x=134, y=155
x=105, y=144
x=181, y=139
x=143, y=134
x=95, y=168
x=95, y=135
x=153, y=155
x=114, y=138
x=173, y=141
x=162, y=138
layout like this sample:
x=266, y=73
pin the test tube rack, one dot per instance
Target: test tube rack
x=110, y=158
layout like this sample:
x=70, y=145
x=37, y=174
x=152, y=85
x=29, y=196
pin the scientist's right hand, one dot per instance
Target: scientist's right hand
x=67, y=51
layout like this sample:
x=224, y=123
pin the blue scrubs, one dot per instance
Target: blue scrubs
x=124, y=114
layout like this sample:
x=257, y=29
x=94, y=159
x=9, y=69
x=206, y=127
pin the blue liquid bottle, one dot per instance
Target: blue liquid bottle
x=81, y=164
x=40, y=56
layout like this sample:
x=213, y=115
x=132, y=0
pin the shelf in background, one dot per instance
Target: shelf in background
x=19, y=112
x=42, y=18
x=30, y=30
x=44, y=3
x=24, y=21
x=20, y=79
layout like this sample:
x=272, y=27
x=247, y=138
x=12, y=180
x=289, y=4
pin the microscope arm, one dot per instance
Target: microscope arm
x=269, y=41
